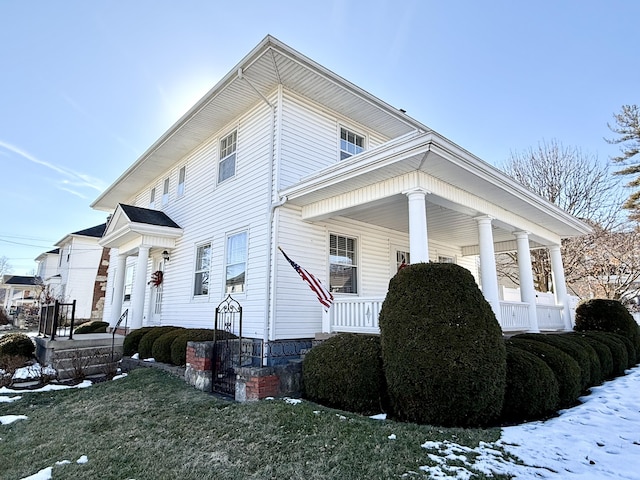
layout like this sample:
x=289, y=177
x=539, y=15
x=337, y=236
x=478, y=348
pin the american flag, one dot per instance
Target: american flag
x=325, y=297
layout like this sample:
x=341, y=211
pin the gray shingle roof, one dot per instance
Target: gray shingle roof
x=148, y=216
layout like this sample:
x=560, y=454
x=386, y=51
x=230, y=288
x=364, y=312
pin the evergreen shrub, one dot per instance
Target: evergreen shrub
x=603, y=351
x=628, y=344
x=575, y=351
x=16, y=344
x=345, y=372
x=532, y=390
x=145, y=347
x=564, y=367
x=617, y=348
x=161, y=349
x=596, y=376
x=607, y=315
x=132, y=340
x=179, y=345
x=92, y=327
x=443, y=355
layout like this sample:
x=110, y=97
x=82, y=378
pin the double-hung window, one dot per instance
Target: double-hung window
x=165, y=191
x=203, y=263
x=343, y=264
x=152, y=198
x=236, y=263
x=182, y=173
x=128, y=282
x=227, y=163
x=350, y=143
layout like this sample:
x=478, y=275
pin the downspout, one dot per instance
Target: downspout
x=274, y=178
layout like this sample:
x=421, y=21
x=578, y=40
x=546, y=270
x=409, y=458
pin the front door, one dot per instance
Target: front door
x=155, y=295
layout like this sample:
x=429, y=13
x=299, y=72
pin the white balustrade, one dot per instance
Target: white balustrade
x=515, y=316
x=550, y=317
x=357, y=315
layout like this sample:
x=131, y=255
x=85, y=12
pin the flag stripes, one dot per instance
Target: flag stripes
x=325, y=297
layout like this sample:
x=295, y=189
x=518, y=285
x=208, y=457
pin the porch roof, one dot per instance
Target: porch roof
x=370, y=187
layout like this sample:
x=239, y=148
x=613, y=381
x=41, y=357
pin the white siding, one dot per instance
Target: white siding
x=78, y=274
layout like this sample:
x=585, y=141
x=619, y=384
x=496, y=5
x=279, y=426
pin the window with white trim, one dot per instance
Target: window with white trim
x=343, y=264
x=128, y=282
x=445, y=259
x=350, y=143
x=152, y=198
x=402, y=259
x=201, y=273
x=182, y=173
x=236, y=263
x=165, y=191
x=227, y=163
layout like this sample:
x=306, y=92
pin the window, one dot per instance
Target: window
x=203, y=261
x=402, y=259
x=227, y=164
x=152, y=198
x=350, y=143
x=181, y=177
x=343, y=264
x=236, y=263
x=443, y=259
x=128, y=282
x=165, y=192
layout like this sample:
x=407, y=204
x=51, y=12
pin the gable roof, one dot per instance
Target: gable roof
x=96, y=231
x=270, y=64
x=19, y=280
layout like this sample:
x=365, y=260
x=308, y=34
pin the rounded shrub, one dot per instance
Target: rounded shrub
x=604, y=353
x=345, y=372
x=179, y=345
x=443, y=355
x=532, y=390
x=92, y=327
x=161, y=349
x=628, y=344
x=575, y=351
x=596, y=376
x=132, y=340
x=16, y=344
x=564, y=367
x=617, y=348
x=607, y=315
x=145, y=347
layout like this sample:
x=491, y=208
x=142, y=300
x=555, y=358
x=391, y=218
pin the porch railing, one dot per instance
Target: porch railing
x=360, y=315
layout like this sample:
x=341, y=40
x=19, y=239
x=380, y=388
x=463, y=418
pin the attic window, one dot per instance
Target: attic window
x=227, y=164
x=152, y=198
x=350, y=143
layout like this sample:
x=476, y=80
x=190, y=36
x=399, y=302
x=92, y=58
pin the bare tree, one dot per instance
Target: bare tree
x=5, y=266
x=574, y=181
x=627, y=126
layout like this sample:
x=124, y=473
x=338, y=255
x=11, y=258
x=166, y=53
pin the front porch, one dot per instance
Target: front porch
x=360, y=315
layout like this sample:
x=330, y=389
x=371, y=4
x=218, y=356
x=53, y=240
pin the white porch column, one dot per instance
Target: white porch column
x=120, y=263
x=418, y=238
x=560, y=284
x=488, y=273
x=139, y=287
x=525, y=271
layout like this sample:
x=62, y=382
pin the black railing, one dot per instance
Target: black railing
x=125, y=317
x=57, y=319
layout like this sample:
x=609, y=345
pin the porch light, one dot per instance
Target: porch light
x=165, y=256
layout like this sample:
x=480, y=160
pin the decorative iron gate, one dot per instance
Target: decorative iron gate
x=57, y=319
x=227, y=346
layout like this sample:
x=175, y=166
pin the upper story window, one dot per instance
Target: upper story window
x=165, y=191
x=350, y=143
x=343, y=264
x=227, y=163
x=182, y=173
x=152, y=198
x=203, y=262
x=236, y=263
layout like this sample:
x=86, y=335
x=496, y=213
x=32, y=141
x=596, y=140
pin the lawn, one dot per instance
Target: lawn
x=150, y=425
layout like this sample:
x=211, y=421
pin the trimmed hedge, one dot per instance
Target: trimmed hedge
x=145, y=347
x=532, y=390
x=575, y=351
x=617, y=348
x=606, y=315
x=132, y=340
x=95, y=326
x=443, y=354
x=596, y=376
x=179, y=345
x=161, y=349
x=564, y=367
x=345, y=372
x=604, y=353
x=17, y=344
x=628, y=344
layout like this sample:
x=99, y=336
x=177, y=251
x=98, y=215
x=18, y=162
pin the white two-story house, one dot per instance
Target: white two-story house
x=284, y=153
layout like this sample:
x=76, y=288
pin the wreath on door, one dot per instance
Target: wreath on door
x=156, y=278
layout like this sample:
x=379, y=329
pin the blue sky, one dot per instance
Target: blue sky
x=87, y=86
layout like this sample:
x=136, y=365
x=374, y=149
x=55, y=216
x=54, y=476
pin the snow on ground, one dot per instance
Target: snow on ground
x=597, y=440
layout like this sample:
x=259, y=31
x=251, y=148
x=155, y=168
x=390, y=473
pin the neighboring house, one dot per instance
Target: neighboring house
x=77, y=270
x=283, y=152
x=19, y=291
